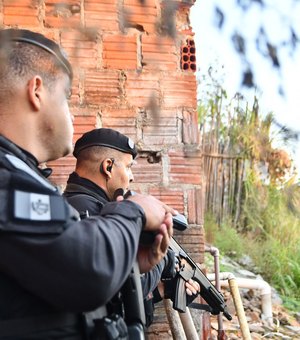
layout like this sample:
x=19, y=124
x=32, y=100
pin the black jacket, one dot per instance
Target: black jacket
x=86, y=196
x=50, y=262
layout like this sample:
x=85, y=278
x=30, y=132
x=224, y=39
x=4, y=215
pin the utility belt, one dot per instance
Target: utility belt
x=107, y=323
x=113, y=327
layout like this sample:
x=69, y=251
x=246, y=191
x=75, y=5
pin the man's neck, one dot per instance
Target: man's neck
x=25, y=139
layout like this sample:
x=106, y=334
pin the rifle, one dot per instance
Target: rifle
x=188, y=269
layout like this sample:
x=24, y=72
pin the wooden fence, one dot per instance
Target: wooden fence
x=224, y=175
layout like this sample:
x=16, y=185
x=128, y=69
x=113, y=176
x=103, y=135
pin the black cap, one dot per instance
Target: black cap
x=39, y=40
x=105, y=137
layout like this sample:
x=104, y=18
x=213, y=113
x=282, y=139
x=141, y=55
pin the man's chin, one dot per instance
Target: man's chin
x=67, y=151
x=61, y=153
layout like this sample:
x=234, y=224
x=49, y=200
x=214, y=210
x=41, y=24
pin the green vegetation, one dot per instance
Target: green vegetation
x=270, y=236
x=272, y=231
x=263, y=218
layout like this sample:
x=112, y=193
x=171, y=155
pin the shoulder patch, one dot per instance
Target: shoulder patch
x=38, y=207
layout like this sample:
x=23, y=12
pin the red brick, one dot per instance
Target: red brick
x=190, y=127
x=185, y=167
x=173, y=198
x=120, y=52
x=167, y=113
x=159, y=53
x=102, y=87
x=183, y=12
x=84, y=121
x=120, y=119
x=140, y=15
x=179, y=90
x=160, y=131
x=81, y=48
x=60, y=14
x=142, y=88
x=25, y=13
x=50, y=34
x=101, y=15
x=124, y=125
x=118, y=113
x=61, y=170
x=145, y=172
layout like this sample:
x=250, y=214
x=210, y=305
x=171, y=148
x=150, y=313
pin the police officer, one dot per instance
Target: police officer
x=104, y=165
x=104, y=160
x=53, y=267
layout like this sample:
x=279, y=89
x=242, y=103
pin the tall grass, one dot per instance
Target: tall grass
x=269, y=232
x=272, y=230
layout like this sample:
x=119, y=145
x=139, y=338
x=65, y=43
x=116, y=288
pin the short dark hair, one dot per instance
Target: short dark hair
x=24, y=54
x=21, y=59
x=92, y=156
x=95, y=153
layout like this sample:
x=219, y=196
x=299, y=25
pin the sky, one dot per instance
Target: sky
x=214, y=47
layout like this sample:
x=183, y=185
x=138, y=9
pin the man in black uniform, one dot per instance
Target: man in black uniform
x=104, y=165
x=53, y=267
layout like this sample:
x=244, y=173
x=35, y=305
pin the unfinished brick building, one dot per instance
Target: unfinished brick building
x=134, y=64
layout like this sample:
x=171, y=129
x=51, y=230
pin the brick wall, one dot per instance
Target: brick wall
x=131, y=77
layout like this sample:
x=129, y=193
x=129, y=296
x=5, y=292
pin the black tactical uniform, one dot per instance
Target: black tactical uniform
x=52, y=266
x=88, y=198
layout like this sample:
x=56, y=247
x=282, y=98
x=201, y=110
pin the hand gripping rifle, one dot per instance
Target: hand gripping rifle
x=188, y=269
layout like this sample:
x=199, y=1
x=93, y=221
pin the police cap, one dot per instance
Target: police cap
x=37, y=39
x=105, y=137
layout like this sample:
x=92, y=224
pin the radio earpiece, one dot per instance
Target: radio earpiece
x=108, y=168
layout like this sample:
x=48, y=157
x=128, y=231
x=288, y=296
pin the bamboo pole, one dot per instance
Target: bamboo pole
x=174, y=321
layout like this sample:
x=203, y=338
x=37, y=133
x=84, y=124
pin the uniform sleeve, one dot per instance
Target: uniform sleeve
x=85, y=203
x=151, y=279
x=81, y=267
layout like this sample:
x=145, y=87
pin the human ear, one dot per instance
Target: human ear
x=106, y=167
x=34, y=90
x=110, y=164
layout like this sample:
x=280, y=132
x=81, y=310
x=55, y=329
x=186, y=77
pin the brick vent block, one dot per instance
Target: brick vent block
x=188, y=56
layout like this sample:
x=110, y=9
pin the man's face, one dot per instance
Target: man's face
x=121, y=173
x=57, y=124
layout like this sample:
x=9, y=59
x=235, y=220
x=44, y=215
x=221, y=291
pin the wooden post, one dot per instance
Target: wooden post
x=174, y=321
